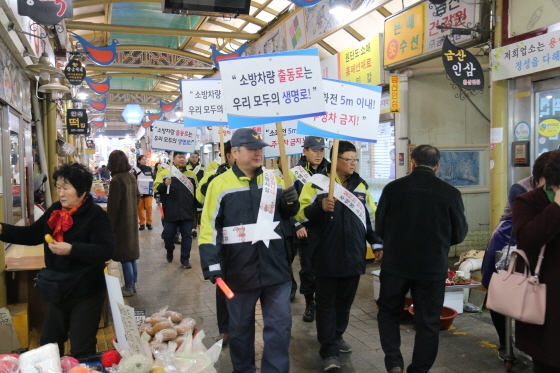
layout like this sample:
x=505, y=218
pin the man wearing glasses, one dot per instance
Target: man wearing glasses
x=338, y=228
x=313, y=161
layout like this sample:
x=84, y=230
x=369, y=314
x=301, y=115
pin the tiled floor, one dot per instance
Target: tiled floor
x=470, y=346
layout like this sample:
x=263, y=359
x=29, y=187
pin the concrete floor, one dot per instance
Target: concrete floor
x=470, y=346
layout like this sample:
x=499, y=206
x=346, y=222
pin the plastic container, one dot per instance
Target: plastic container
x=446, y=318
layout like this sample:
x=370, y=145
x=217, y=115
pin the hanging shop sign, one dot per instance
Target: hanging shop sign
x=133, y=114
x=77, y=121
x=527, y=57
x=361, y=63
x=90, y=144
x=46, y=12
x=452, y=13
x=404, y=35
x=462, y=67
x=394, y=94
x=75, y=72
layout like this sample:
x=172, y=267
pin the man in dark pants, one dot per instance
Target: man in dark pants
x=418, y=217
x=176, y=186
x=313, y=161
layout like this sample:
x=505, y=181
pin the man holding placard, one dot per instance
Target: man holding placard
x=338, y=228
x=313, y=161
x=176, y=186
x=241, y=241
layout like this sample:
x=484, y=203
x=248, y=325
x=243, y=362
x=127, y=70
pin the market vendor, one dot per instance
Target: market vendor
x=83, y=242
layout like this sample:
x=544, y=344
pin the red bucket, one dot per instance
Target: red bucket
x=446, y=318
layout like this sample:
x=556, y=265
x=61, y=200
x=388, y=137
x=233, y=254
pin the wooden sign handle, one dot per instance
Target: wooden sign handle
x=223, y=157
x=283, y=158
x=334, y=161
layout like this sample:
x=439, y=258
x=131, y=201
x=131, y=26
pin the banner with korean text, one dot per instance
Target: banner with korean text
x=173, y=136
x=203, y=102
x=352, y=112
x=292, y=140
x=404, y=35
x=228, y=132
x=272, y=87
x=361, y=63
x=526, y=57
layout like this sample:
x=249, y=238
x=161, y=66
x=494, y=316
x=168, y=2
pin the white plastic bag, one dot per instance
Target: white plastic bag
x=45, y=359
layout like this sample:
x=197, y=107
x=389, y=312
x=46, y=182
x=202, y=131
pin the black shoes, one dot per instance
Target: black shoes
x=187, y=264
x=293, y=295
x=193, y=233
x=149, y=226
x=141, y=227
x=309, y=313
x=170, y=256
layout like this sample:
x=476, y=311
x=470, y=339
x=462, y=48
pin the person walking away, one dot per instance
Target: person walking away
x=122, y=207
x=221, y=304
x=535, y=223
x=104, y=174
x=84, y=241
x=252, y=261
x=176, y=186
x=418, y=217
x=501, y=237
x=338, y=230
x=145, y=179
x=312, y=162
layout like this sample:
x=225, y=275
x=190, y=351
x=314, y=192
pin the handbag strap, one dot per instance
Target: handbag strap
x=539, y=262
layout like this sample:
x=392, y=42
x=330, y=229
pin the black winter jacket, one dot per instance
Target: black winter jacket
x=92, y=242
x=419, y=217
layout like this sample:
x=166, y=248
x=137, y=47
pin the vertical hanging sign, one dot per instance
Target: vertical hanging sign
x=395, y=94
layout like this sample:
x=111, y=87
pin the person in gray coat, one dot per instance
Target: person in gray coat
x=122, y=208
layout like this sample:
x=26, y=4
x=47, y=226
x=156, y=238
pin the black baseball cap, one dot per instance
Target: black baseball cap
x=247, y=137
x=314, y=142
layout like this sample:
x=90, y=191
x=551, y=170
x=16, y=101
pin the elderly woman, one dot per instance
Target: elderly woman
x=122, y=207
x=83, y=242
x=535, y=223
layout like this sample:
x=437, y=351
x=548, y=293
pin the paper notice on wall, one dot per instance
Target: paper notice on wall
x=496, y=135
x=131, y=332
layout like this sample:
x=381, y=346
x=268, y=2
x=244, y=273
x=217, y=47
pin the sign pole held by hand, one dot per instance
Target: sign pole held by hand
x=283, y=158
x=172, y=154
x=334, y=161
x=223, y=157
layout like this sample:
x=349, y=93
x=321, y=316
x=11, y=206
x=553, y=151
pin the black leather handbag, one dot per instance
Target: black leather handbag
x=54, y=286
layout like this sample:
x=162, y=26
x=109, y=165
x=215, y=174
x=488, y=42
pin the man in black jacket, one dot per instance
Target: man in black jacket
x=419, y=217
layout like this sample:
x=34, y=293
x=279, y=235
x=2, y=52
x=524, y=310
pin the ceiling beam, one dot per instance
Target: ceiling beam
x=133, y=75
x=269, y=10
x=147, y=70
x=354, y=33
x=152, y=48
x=327, y=47
x=88, y=15
x=70, y=25
x=384, y=11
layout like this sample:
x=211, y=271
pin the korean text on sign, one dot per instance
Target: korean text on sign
x=352, y=112
x=203, y=103
x=290, y=87
x=172, y=136
x=293, y=141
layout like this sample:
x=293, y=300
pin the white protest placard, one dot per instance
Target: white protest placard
x=352, y=112
x=131, y=332
x=292, y=140
x=453, y=13
x=203, y=102
x=116, y=298
x=228, y=132
x=526, y=57
x=173, y=136
x=272, y=87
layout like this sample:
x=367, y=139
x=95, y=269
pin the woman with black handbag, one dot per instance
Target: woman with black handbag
x=83, y=242
x=535, y=223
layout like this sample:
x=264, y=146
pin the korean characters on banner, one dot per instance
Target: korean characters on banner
x=352, y=112
x=361, y=64
x=452, y=13
x=404, y=35
x=272, y=87
x=462, y=67
x=173, y=136
x=527, y=57
x=292, y=140
x=395, y=94
x=203, y=102
x=228, y=132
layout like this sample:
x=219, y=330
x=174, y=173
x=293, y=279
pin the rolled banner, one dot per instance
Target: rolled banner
x=223, y=287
